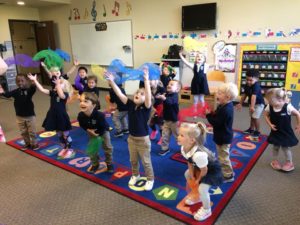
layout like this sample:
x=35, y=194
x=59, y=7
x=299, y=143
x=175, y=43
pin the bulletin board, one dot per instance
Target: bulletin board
x=292, y=73
x=100, y=43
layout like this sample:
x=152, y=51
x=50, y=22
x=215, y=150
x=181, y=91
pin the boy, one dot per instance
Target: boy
x=24, y=109
x=222, y=120
x=120, y=114
x=170, y=114
x=255, y=100
x=96, y=126
x=139, y=144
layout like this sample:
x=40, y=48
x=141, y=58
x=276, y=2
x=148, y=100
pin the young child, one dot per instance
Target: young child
x=24, y=108
x=170, y=114
x=138, y=141
x=157, y=89
x=167, y=74
x=203, y=168
x=81, y=79
x=57, y=118
x=93, y=121
x=278, y=116
x=222, y=120
x=199, y=85
x=255, y=100
x=120, y=114
x=55, y=72
x=92, y=87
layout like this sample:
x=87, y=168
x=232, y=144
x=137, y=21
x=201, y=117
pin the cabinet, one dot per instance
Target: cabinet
x=272, y=66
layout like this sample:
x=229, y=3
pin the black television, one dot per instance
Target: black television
x=199, y=17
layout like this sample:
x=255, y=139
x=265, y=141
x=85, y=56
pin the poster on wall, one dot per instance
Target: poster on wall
x=295, y=55
x=225, y=58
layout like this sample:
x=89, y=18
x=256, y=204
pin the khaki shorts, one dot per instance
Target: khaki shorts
x=258, y=109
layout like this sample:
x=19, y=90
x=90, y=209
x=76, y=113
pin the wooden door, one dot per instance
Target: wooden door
x=45, y=40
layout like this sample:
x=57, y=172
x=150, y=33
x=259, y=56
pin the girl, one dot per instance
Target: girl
x=278, y=116
x=139, y=144
x=57, y=118
x=199, y=85
x=81, y=79
x=24, y=110
x=203, y=168
x=157, y=118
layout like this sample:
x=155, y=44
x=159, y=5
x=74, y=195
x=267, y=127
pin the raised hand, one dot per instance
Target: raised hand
x=146, y=73
x=31, y=77
x=76, y=62
x=109, y=76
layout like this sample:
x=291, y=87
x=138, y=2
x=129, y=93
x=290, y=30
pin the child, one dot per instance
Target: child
x=170, y=114
x=24, y=110
x=278, y=116
x=222, y=120
x=157, y=89
x=81, y=79
x=255, y=100
x=199, y=85
x=57, y=72
x=57, y=118
x=93, y=121
x=167, y=74
x=138, y=141
x=203, y=168
x=92, y=87
x=120, y=114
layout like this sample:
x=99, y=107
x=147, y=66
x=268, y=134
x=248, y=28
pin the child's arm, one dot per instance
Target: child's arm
x=37, y=84
x=115, y=87
x=267, y=118
x=239, y=106
x=73, y=68
x=147, y=88
x=203, y=172
x=296, y=113
x=253, y=101
x=185, y=61
x=59, y=90
x=46, y=69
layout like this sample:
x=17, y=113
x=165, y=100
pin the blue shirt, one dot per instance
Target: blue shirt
x=138, y=117
x=255, y=89
x=222, y=120
x=171, y=107
x=23, y=100
x=95, y=121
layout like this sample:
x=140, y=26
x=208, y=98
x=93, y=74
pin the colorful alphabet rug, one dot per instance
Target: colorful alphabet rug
x=169, y=191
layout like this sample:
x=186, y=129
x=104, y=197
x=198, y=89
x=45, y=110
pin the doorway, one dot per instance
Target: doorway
x=28, y=37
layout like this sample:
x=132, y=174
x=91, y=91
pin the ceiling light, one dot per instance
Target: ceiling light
x=20, y=3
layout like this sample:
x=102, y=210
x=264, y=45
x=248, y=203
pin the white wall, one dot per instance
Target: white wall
x=161, y=17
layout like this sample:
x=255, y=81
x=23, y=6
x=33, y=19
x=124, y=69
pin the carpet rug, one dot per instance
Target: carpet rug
x=169, y=189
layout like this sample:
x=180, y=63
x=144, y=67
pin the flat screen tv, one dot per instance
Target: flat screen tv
x=199, y=17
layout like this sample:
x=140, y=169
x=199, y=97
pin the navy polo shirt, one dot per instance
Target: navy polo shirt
x=95, y=121
x=138, y=117
x=222, y=120
x=255, y=89
x=171, y=107
x=22, y=100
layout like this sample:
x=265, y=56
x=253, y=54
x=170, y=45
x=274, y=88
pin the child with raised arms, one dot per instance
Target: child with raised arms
x=139, y=144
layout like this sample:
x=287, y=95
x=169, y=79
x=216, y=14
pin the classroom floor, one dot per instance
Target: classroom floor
x=35, y=192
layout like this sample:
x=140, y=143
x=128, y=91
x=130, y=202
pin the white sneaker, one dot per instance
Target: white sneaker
x=133, y=180
x=69, y=154
x=149, y=185
x=62, y=152
x=202, y=214
x=189, y=201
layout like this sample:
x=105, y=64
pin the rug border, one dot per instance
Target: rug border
x=160, y=208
